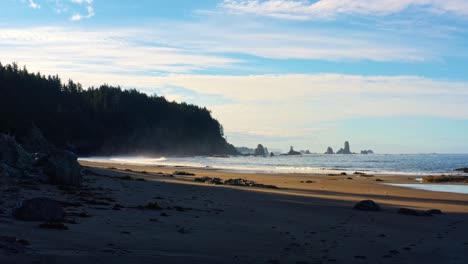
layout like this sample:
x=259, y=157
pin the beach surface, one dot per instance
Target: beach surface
x=144, y=214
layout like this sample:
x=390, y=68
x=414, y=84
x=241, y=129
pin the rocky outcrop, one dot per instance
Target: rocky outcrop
x=329, y=151
x=12, y=154
x=39, y=209
x=62, y=168
x=261, y=151
x=367, y=205
x=346, y=149
x=15, y=162
x=464, y=170
x=413, y=212
x=365, y=152
x=293, y=152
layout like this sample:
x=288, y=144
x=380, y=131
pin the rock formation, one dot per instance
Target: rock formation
x=293, y=152
x=62, y=168
x=464, y=170
x=346, y=150
x=15, y=162
x=367, y=151
x=261, y=151
x=329, y=151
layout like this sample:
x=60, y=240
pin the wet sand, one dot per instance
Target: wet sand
x=309, y=219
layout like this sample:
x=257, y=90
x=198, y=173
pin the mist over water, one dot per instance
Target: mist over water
x=404, y=164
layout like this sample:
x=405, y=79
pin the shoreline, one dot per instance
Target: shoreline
x=126, y=214
x=282, y=171
x=360, y=186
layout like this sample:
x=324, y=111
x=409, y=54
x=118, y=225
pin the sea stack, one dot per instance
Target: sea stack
x=329, y=151
x=261, y=151
x=346, y=148
x=293, y=152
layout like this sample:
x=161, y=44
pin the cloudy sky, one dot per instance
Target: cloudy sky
x=390, y=75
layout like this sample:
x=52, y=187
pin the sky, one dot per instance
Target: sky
x=387, y=75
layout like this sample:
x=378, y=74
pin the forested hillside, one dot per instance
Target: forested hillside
x=105, y=120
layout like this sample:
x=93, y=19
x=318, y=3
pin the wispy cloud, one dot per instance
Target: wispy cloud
x=103, y=51
x=305, y=9
x=78, y=17
x=89, y=8
x=33, y=4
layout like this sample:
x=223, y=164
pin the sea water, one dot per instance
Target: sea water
x=394, y=164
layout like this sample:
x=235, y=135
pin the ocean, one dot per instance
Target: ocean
x=395, y=164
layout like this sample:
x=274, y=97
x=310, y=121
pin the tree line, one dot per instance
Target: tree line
x=106, y=120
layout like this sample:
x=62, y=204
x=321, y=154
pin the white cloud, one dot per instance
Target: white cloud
x=304, y=9
x=33, y=4
x=101, y=51
x=89, y=9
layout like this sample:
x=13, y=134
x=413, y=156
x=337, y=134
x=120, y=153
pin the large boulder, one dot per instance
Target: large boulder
x=39, y=209
x=367, y=205
x=62, y=168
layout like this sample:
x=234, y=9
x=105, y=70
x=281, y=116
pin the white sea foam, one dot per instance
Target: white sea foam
x=404, y=165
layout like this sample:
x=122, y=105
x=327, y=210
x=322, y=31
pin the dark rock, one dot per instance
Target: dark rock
x=365, y=152
x=340, y=151
x=293, y=152
x=261, y=151
x=464, y=170
x=329, y=151
x=434, y=211
x=153, y=206
x=15, y=162
x=62, y=168
x=183, y=173
x=12, y=154
x=367, y=205
x=53, y=225
x=346, y=150
x=413, y=212
x=343, y=173
x=39, y=209
x=209, y=180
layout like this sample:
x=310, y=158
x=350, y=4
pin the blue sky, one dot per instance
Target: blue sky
x=388, y=75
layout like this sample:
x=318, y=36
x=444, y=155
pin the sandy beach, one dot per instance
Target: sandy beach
x=307, y=219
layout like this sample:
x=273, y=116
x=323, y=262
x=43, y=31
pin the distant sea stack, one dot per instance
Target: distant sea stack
x=329, y=151
x=261, y=151
x=345, y=150
x=293, y=152
x=367, y=152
